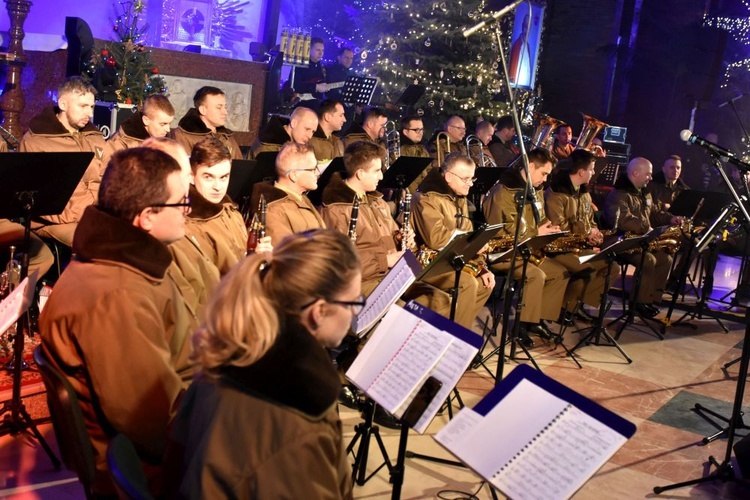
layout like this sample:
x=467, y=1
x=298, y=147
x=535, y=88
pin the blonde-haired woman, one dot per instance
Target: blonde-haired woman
x=262, y=421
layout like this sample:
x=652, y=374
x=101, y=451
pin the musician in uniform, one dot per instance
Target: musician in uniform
x=302, y=124
x=667, y=184
x=546, y=282
x=563, y=146
x=501, y=146
x=372, y=128
x=326, y=144
x=339, y=71
x=310, y=81
x=289, y=211
x=152, y=120
x=410, y=143
x=207, y=118
x=455, y=128
x=440, y=209
x=568, y=205
x=67, y=128
x=631, y=207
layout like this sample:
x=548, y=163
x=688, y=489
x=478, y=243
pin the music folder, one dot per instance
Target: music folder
x=410, y=345
x=532, y=437
x=466, y=245
x=403, y=171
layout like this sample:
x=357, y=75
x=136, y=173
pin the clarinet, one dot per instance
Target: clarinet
x=406, y=227
x=353, y=219
x=257, y=227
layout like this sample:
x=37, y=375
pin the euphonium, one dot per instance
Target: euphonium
x=545, y=125
x=353, y=219
x=442, y=151
x=392, y=143
x=591, y=127
x=475, y=149
x=257, y=227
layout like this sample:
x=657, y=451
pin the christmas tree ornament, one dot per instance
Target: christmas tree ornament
x=427, y=42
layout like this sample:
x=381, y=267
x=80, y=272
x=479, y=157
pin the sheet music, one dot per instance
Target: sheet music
x=542, y=446
x=396, y=282
x=17, y=302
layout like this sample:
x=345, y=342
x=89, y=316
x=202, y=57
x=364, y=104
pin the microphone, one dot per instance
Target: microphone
x=689, y=137
x=495, y=15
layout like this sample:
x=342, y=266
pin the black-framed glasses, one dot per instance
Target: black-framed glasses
x=184, y=204
x=314, y=170
x=465, y=180
x=355, y=306
x=417, y=130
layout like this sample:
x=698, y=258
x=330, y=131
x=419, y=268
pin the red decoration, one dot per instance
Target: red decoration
x=105, y=52
x=128, y=101
x=110, y=62
x=155, y=71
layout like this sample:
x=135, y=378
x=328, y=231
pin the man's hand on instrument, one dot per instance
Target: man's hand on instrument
x=596, y=237
x=321, y=87
x=488, y=279
x=547, y=228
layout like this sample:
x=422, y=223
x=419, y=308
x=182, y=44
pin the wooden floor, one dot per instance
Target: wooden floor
x=656, y=392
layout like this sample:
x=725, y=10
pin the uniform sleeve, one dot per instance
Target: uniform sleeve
x=278, y=225
x=627, y=221
x=430, y=222
x=556, y=205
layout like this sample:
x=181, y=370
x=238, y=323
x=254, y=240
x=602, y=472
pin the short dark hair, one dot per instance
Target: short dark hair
x=504, y=122
x=454, y=159
x=208, y=152
x=76, y=85
x=314, y=40
x=405, y=121
x=540, y=156
x=157, y=102
x=201, y=93
x=371, y=113
x=328, y=106
x=671, y=157
x=135, y=178
x=580, y=159
x=564, y=125
x=358, y=154
x=345, y=49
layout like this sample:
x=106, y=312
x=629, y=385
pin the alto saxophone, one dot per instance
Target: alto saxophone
x=257, y=227
x=353, y=219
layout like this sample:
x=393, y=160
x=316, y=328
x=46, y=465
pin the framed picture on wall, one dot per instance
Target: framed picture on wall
x=524, y=46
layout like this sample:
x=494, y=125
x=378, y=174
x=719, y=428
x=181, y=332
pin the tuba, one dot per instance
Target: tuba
x=589, y=131
x=475, y=149
x=442, y=152
x=545, y=125
x=392, y=140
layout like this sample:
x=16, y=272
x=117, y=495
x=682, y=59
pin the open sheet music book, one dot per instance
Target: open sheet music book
x=394, y=285
x=409, y=345
x=17, y=301
x=533, y=438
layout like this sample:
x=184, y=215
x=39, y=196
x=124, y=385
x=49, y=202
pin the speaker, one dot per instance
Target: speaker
x=80, y=45
x=742, y=454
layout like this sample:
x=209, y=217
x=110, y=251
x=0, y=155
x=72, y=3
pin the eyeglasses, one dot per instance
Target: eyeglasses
x=465, y=180
x=184, y=204
x=315, y=170
x=355, y=306
x=459, y=128
x=417, y=130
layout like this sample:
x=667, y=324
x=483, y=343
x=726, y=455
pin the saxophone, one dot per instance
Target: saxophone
x=257, y=227
x=577, y=242
x=353, y=219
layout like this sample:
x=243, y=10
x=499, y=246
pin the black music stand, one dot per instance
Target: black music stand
x=609, y=254
x=452, y=258
x=629, y=315
x=358, y=90
x=316, y=195
x=410, y=96
x=33, y=184
x=486, y=177
x=240, y=188
x=403, y=172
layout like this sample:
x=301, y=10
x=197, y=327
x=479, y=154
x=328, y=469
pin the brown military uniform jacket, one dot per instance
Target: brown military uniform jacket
x=454, y=147
x=219, y=228
x=285, y=213
x=191, y=130
x=119, y=330
x=637, y=211
x=131, y=134
x=46, y=135
x=500, y=205
x=193, y=273
x=568, y=207
x=663, y=193
x=357, y=133
x=272, y=137
x=503, y=152
x=326, y=148
x=376, y=229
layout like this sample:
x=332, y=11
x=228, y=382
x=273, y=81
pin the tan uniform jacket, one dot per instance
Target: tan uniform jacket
x=357, y=133
x=376, y=228
x=268, y=430
x=286, y=214
x=567, y=207
x=326, y=148
x=47, y=135
x=664, y=193
x=637, y=212
x=219, y=229
x=194, y=273
x=454, y=147
x=131, y=134
x=191, y=130
x=120, y=332
x=500, y=205
x=272, y=137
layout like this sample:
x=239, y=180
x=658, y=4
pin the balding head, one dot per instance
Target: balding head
x=639, y=172
x=302, y=125
x=455, y=127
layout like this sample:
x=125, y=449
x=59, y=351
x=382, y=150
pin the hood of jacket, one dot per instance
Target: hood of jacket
x=559, y=182
x=100, y=236
x=295, y=372
x=274, y=131
x=134, y=127
x=201, y=208
x=192, y=123
x=434, y=182
x=46, y=123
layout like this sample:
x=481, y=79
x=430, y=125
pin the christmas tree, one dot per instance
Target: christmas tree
x=122, y=70
x=419, y=42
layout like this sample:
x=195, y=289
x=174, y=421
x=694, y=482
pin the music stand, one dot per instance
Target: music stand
x=486, y=177
x=410, y=96
x=403, y=172
x=240, y=189
x=316, y=195
x=686, y=202
x=358, y=90
x=33, y=184
x=608, y=254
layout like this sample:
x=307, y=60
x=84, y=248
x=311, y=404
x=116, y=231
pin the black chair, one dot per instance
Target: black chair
x=68, y=423
x=126, y=469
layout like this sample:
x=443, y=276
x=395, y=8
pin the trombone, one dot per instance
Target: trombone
x=392, y=143
x=474, y=143
x=439, y=146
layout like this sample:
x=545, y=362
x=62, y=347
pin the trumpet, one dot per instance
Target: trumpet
x=257, y=227
x=473, y=144
x=353, y=220
x=392, y=143
x=442, y=151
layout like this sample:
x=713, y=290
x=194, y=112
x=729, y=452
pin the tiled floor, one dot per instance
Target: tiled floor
x=656, y=392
